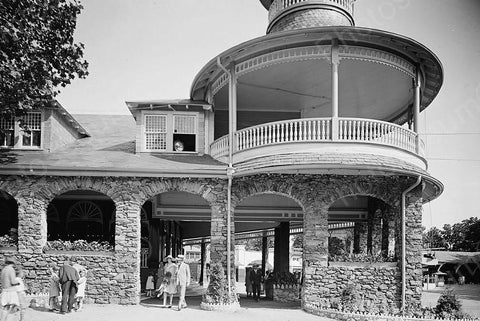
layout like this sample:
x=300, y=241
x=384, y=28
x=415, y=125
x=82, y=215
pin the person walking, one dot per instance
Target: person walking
x=68, y=277
x=170, y=279
x=256, y=280
x=53, y=291
x=183, y=280
x=9, y=300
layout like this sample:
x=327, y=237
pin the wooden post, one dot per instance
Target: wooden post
x=416, y=109
x=335, y=62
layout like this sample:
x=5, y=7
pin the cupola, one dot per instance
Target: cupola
x=298, y=14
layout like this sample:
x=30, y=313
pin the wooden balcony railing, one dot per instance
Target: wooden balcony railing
x=316, y=130
x=279, y=5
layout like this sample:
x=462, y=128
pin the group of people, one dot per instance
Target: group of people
x=69, y=283
x=13, y=296
x=176, y=278
x=253, y=281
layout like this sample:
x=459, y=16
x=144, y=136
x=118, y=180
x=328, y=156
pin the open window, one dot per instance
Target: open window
x=171, y=132
x=22, y=132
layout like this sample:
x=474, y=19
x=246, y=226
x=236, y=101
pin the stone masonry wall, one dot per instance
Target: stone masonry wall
x=315, y=194
x=113, y=277
x=377, y=288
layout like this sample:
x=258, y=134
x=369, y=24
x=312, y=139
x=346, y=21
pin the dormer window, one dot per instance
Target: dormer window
x=24, y=132
x=171, y=132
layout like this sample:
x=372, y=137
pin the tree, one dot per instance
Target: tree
x=336, y=246
x=298, y=241
x=463, y=236
x=37, y=53
x=433, y=238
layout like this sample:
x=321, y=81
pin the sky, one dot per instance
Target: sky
x=152, y=49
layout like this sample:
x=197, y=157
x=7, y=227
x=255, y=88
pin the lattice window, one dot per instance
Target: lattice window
x=31, y=135
x=156, y=132
x=184, y=124
x=7, y=132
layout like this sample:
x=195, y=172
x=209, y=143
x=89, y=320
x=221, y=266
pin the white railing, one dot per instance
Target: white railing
x=319, y=130
x=375, y=131
x=279, y=5
x=298, y=130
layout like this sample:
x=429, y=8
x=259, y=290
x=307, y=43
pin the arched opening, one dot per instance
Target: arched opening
x=8, y=220
x=81, y=215
x=268, y=232
x=361, y=227
x=174, y=223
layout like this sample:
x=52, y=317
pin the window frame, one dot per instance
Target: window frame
x=18, y=134
x=170, y=123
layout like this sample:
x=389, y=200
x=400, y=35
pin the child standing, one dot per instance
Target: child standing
x=54, y=291
x=81, y=284
x=149, y=286
x=22, y=298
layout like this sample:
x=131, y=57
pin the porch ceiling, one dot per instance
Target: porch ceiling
x=366, y=89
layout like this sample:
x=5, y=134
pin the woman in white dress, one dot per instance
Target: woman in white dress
x=170, y=279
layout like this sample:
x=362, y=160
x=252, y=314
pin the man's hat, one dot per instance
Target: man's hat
x=180, y=257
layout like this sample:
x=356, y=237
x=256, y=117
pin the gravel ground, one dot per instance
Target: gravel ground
x=150, y=309
x=93, y=312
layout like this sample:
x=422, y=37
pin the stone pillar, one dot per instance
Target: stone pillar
x=374, y=238
x=388, y=232
x=127, y=253
x=413, y=248
x=360, y=237
x=281, y=256
x=385, y=231
x=315, y=251
x=218, y=237
x=32, y=224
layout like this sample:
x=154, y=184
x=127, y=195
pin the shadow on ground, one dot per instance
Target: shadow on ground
x=249, y=303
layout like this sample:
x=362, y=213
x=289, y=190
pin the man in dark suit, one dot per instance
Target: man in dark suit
x=68, y=276
x=256, y=277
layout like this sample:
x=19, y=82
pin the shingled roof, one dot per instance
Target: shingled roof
x=110, y=150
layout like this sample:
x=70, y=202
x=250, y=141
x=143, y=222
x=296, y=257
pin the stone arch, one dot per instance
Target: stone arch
x=48, y=190
x=261, y=184
x=206, y=189
x=360, y=187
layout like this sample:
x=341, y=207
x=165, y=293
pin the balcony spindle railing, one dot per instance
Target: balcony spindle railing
x=319, y=130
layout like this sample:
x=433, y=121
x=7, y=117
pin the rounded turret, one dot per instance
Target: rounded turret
x=298, y=14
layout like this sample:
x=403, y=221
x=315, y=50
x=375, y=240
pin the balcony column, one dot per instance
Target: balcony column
x=360, y=237
x=416, y=109
x=335, y=62
x=232, y=99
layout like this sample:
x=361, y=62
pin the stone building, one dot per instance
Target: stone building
x=312, y=127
